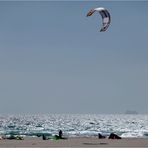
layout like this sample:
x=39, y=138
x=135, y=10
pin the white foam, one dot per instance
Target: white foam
x=76, y=125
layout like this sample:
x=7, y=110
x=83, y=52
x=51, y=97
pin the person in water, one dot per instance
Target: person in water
x=111, y=136
x=60, y=134
x=114, y=136
x=100, y=136
x=56, y=137
x=44, y=137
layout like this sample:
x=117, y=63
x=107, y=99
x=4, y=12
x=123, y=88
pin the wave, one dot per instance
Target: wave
x=75, y=125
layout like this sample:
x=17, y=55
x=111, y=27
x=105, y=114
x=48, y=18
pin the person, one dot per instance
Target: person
x=60, y=134
x=44, y=137
x=114, y=136
x=100, y=136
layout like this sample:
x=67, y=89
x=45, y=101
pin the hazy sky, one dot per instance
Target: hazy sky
x=53, y=59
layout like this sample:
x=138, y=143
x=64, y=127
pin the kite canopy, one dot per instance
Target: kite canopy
x=106, y=19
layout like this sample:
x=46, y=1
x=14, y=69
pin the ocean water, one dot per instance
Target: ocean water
x=75, y=125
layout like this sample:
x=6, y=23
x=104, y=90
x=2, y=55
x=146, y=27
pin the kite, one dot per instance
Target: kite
x=106, y=19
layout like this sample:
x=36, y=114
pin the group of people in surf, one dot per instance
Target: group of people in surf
x=60, y=136
x=100, y=136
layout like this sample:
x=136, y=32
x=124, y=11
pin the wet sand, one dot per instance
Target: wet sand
x=75, y=142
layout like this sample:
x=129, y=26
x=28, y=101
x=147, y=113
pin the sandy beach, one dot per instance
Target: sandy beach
x=76, y=142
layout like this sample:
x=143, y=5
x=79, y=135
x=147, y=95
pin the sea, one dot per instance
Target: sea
x=75, y=125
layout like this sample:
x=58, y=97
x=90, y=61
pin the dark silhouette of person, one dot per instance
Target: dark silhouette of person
x=114, y=136
x=60, y=134
x=101, y=136
x=44, y=137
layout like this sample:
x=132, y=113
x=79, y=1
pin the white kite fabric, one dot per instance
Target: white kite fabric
x=106, y=19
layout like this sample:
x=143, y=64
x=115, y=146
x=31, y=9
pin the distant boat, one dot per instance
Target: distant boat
x=131, y=112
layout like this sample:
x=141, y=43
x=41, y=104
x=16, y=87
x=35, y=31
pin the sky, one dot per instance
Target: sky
x=53, y=59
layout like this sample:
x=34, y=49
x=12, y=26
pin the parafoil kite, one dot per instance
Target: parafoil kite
x=106, y=19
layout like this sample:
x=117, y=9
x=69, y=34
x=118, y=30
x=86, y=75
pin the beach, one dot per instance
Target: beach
x=75, y=142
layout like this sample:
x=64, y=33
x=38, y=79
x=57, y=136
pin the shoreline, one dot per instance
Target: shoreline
x=75, y=142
